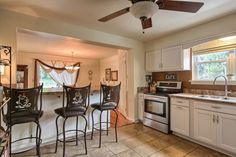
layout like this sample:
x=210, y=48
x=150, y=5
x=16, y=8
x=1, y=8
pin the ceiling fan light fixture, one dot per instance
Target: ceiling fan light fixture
x=143, y=9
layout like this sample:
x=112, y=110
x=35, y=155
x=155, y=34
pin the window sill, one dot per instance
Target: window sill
x=210, y=82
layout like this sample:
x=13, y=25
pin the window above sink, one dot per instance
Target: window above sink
x=212, y=59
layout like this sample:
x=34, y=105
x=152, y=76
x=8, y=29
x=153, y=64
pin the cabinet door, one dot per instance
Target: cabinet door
x=140, y=106
x=205, y=126
x=226, y=130
x=180, y=119
x=153, y=61
x=172, y=58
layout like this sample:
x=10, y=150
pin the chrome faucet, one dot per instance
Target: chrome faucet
x=226, y=85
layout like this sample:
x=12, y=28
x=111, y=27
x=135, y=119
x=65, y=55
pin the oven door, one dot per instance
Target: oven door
x=156, y=109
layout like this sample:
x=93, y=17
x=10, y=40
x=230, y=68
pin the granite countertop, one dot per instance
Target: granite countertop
x=214, y=98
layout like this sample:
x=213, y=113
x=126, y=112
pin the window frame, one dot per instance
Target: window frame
x=195, y=79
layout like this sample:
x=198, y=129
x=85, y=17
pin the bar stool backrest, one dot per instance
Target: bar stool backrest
x=24, y=99
x=110, y=94
x=76, y=96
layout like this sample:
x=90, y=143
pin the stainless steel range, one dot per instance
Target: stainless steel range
x=156, y=106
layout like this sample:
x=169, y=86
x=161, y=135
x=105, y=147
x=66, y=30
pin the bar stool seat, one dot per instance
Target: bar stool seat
x=23, y=117
x=107, y=106
x=70, y=112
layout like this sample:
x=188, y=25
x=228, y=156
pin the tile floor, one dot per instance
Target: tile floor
x=134, y=141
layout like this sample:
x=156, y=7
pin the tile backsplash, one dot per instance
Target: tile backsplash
x=208, y=92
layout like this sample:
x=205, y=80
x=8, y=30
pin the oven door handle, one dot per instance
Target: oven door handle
x=157, y=99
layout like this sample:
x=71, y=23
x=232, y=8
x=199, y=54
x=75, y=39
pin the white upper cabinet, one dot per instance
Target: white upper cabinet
x=153, y=61
x=172, y=58
x=168, y=59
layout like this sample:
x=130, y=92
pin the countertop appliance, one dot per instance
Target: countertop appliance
x=157, y=105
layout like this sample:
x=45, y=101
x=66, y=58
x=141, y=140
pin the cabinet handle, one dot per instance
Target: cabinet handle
x=179, y=101
x=179, y=107
x=217, y=119
x=214, y=118
x=215, y=107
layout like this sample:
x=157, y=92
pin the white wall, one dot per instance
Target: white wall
x=220, y=27
x=10, y=21
x=109, y=62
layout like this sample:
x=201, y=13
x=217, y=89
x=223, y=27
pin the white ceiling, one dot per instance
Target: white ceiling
x=44, y=43
x=87, y=12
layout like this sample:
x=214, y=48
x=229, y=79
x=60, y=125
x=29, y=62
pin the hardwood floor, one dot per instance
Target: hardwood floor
x=122, y=120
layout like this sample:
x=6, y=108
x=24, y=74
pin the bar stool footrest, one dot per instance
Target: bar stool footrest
x=25, y=138
x=72, y=140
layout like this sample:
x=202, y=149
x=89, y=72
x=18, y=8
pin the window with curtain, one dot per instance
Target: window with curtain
x=208, y=65
x=46, y=79
x=55, y=75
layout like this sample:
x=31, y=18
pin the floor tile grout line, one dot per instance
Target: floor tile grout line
x=191, y=151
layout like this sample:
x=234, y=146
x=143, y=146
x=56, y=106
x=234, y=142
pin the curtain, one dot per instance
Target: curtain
x=59, y=75
x=231, y=64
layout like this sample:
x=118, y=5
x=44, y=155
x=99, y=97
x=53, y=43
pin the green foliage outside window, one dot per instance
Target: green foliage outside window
x=210, y=65
x=47, y=81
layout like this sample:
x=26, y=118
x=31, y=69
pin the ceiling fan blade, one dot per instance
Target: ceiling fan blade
x=183, y=6
x=146, y=23
x=114, y=15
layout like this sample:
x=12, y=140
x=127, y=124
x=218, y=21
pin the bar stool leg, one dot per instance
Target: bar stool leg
x=107, y=122
x=39, y=139
x=77, y=130
x=116, y=124
x=92, y=124
x=85, y=130
x=57, y=133
x=100, y=130
x=64, y=137
x=37, y=135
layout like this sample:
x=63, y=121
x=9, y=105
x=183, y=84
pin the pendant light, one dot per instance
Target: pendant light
x=72, y=67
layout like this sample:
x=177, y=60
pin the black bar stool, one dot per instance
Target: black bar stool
x=77, y=102
x=109, y=100
x=25, y=109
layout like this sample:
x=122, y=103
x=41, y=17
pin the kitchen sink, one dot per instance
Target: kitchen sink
x=217, y=97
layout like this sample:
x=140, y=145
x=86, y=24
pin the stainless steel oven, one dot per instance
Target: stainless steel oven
x=156, y=112
x=156, y=106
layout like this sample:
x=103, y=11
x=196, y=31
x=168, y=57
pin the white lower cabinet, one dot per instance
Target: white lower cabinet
x=140, y=106
x=211, y=123
x=215, y=128
x=180, y=119
x=226, y=132
x=204, y=126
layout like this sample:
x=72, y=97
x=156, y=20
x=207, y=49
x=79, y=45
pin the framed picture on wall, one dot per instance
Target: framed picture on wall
x=114, y=75
x=108, y=74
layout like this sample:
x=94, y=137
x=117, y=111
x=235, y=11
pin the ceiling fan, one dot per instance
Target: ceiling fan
x=144, y=9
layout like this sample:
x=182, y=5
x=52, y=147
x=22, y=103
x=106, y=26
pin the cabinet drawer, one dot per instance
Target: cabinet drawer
x=216, y=107
x=180, y=102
